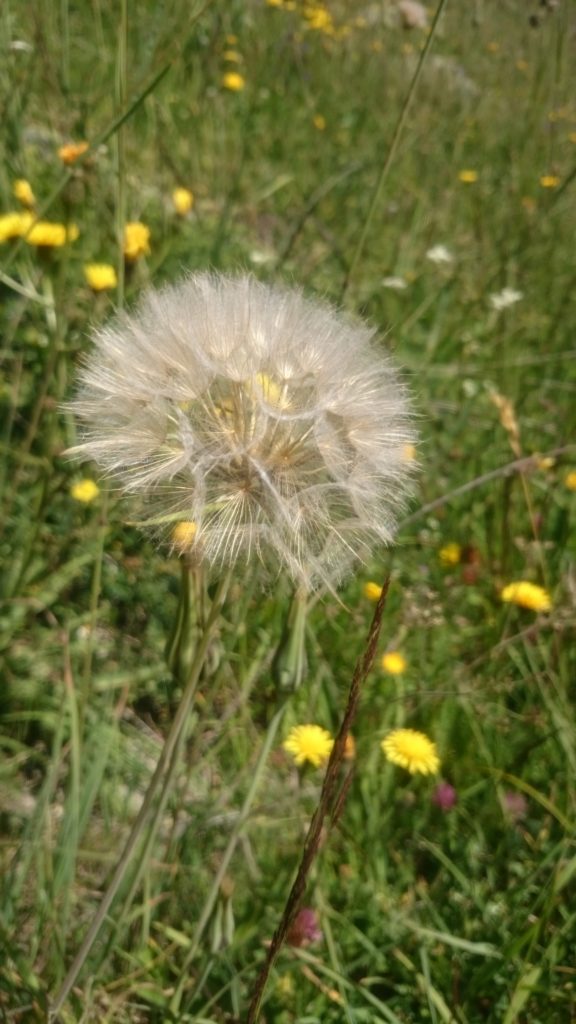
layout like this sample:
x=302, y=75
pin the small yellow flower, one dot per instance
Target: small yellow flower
x=85, y=491
x=49, y=235
x=275, y=3
x=319, y=122
x=136, y=240
x=183, y=200
x=394, y=663
x=309, y=743
x=527, y=595
x=71, y=151
x=100, y=276
x=372, y=591
x=14, y=225
x=450, y=554
x=549, y=181
x=233, y=81
x=349, y=747
x=411, y=750
x=22, y=191
x=570, y=480
x=544, y=462
x=231, y=40
x=468, y=177
x=232, y=56
x=183, y=534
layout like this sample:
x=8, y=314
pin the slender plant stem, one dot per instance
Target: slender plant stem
x=390, y=155
x=326, y=805
x=226, y=858
x=166, y=764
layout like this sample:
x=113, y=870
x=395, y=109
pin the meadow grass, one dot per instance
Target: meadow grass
x=458, y=914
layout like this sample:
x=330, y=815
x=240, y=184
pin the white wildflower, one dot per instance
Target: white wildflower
x=254, y=421
x=439, y=254
x=507, y=297
x=397, y=284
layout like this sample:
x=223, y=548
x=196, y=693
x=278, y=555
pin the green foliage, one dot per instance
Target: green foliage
x=458, y=915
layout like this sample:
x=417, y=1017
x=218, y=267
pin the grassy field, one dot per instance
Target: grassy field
x=449, y=224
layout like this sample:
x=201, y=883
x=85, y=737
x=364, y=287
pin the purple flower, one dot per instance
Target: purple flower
x=515, y=805
x=304, y=928
x=445, y=796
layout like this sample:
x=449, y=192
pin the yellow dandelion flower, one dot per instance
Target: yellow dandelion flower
x=183, y=200
x=49, y=235
x=411, y=750
x=183, y=534
x=309, y=743
x=527, y=595
x=22, y=191
x=233, y=81
x=450, y=554
x=136, y=240
x=467, y=176
x=232, y=56
x=372, y=590
x=319, y=122
x=394, y=663
x=100, y=276
x=71, y=151
x=85, y=491
x=549, y=181
x=14, y=225
x=544, y=462
x=570, y=480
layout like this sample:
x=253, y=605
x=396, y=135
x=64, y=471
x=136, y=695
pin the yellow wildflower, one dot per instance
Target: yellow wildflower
x=71, y=151
x=100, y=276
x=231, y=40
x=183, y=534
x=319, y=122
x=183, y=200
x=309, y=743
x=394, y=663
x=49, y=235
x=467, y=176
x=450, y=554
x=233, y=81
x=14, y=225
x=372, y=590
x=22, y=191
x=527, y=595
x=549, y=181
x=411, y=750
x=136, y=240
x=85, y=491
x=570, y=480
x=232, y=56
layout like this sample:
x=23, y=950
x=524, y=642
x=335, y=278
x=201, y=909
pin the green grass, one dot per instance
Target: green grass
x=461, y=916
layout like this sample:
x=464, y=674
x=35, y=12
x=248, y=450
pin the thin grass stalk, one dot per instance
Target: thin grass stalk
x=148, y=806
x=326, y=803
x=350, y=273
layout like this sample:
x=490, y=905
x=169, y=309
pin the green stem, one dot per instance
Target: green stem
x=164, y=771
x=390, y=155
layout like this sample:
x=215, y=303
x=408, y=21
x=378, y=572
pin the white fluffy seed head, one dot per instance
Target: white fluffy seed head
x=250, y=421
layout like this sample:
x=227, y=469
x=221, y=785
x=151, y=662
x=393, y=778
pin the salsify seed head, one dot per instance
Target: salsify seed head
x=270, y=421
